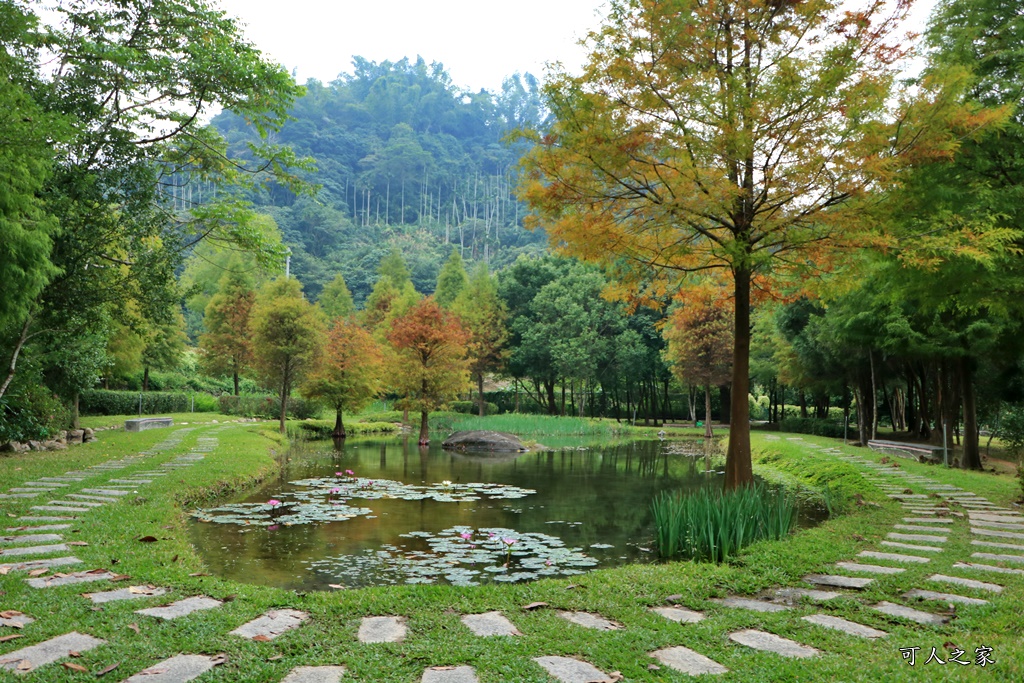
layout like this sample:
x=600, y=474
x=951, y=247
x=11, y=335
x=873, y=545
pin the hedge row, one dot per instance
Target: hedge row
x=817, y=427
x=472, y=407
x=266, y=406
x=103, y=402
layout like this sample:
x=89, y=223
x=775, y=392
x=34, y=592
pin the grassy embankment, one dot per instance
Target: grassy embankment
x=437, y=638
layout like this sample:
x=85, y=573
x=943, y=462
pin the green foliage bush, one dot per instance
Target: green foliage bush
x=810, y=425
x=1011, y=429
x=324, y=429
x=103, y=402
x=472, y=407
x=266, y=406
x=31, y=413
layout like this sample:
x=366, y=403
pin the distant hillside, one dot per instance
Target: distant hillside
x=405, y=159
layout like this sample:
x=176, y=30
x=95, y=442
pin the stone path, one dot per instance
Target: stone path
x=30, y=658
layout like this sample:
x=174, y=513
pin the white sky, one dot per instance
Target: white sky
x=480, y=42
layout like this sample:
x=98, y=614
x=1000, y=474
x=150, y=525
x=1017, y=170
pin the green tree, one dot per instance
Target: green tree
x=350, y=372
x=336, y=300
x=286, y=333
x=484, y=316
x=165, y=346
x=451, y=281
x=225, y=345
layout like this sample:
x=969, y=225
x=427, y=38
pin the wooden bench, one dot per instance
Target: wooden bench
x=919, y=451
x=141, y=424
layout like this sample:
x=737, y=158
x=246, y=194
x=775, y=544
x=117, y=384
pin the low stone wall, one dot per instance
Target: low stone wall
x=64, y=439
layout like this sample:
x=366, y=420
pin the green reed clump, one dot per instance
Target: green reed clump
x=712, y=525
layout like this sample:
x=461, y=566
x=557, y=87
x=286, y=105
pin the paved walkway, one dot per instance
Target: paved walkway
x=920, y=537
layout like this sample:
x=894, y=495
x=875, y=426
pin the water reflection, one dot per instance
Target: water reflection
x=595, y=500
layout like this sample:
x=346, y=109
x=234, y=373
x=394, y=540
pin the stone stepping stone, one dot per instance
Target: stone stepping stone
x=131, y=481
x=57, y=508
x=588, y=620
x=918, y=538
x=177, y=669
x=130, y=593
x=678, y=614
x=978, y=531
x=943, y=597
x=59, y=480
x=48, y=484
x=869, y=568
x=382, y=630
x=37, y=564
x=993, y=522
x=995, y=557
x=915, y=615
x=30, y=658
x=86, y=504
x=271, y=625
x=750, y=604
x=849, y=627
x=449, y=674
x=919, y=529
x=838, y=581
x=997, y=544
x=26, y=489
x=15, y=619
x=44, y=518
x=106, y=492
x=907, y=496
x=569, y=670
x=34, y=550
x=181, y=608
x=18, y=495
x=769, y=642
x=315, y=674
x=83, y=496
x=31, y=538
x=687, y=661
x=793, y=595
x=58, y=580
x=987, y=568
x=911, y=546
x=490, y=624
x=967, y=583
x=926, y=520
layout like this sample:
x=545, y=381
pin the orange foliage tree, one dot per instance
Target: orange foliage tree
x=699, y=336
x=430, y=358
x=350, y=372
x=730, y=135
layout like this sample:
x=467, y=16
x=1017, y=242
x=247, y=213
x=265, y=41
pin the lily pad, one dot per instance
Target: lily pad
x=444, y=492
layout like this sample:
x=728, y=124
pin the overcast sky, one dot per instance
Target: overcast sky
x=479, y=41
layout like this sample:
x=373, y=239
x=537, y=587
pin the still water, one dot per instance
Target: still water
x=379, y=512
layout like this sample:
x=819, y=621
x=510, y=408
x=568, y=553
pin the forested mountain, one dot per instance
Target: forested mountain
x=405, y=159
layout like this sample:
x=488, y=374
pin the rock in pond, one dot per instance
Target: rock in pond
x=484, y=441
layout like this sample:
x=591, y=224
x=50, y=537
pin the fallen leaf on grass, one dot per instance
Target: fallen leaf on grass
x=147, y=539
x=134, y=627
x=107, y=669
x=275, y=658
x=24, y=665
x=336, y=585
x=12, y=637
x=38, y=572
x=534, y=605
x=10, y=613
x=442, y=668
x=262, y=638
x=75, y=667
x=219, y=659
x=5, y=570
x=73, y=653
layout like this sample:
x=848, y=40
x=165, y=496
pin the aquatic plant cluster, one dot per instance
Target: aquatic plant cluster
x=714, y=525
x=461, y=556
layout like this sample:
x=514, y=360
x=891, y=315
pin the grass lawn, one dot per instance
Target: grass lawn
x=245, y=455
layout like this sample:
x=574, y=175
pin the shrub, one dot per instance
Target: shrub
x=103, y=402
x=266, y=406
x=31, y=413
x=472, y=407
x=810, y=425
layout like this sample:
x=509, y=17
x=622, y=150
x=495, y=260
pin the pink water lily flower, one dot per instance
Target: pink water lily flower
x=339, y=474
x=273, y=502
x=509, y=541
x=466, y=535
x=350, y=473
x=335, y=490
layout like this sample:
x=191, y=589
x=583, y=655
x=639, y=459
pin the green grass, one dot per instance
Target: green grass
x=108, y=421
x=436, y=637
x=531, y=425
x=323, y=429
x=712, y=525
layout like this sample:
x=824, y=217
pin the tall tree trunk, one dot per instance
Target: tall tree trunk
x=284, y=400
x=738, y=468
x=480, y=390
x=18, y=345
x=549, y=386
x=515, y=381
x=971, y=459
x=339, y=426
x=235, y=377
x=707, y=412
x=874, y=396
x=145, y=378
x=803, y=403
x=424, y=428
x=74, y=411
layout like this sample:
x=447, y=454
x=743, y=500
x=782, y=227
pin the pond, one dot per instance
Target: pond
x=385, y=511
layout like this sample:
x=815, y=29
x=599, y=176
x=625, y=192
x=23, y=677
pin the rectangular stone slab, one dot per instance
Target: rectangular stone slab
x=678, y=614
x=16, y=620
x=490, y=624
x=131, y=481
x=869, y=568
x=988, y=524
x=995, y=557
x=588, y=620
x=34, y=550
x=31, y=538
x=943, y=597
x=458, y=674
x=315, y=674
x=918, y=529
x=918, y=538
x=57, y=508
x=47, y=484
x=44, y=518
x=987, y=568
x=69, y=579
x=29, y=565
x=849, y=627
x=996, y=544
x=272, y=624
x=967, y=583
x=175, y=670
x=838, y=581
x=569, y=670
x=106, y=492
x=130, y=593
x=48, y=651
x=910, y=613
x=978, y=531
x=794, y=594
x=78, y=503
x=926, y=520
x=34, y=492
x=687, y=661
x=382, y=630
x=769, y=642
x=85, y=496
x=750, y=604
x=911, y=546
x=181, y=608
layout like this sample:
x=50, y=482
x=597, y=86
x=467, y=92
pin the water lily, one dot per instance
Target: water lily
x=466, y=535
x=339, y=474
x=447, y=484
x=350, y=473
x=273, y=502
x=548, y=562
x=509, y=541
x=273, y=527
